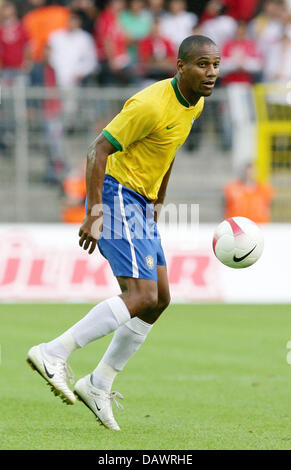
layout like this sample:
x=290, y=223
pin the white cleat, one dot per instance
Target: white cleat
x=98, y=401
x=54, y=370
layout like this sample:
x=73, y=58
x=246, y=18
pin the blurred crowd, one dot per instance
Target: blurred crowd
x=73, y=43
x=119, y=42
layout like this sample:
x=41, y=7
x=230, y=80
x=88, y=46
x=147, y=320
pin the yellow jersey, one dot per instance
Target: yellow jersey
x=151, y=127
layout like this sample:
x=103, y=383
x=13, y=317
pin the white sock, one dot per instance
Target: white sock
x=125, y=342
x=100, y=321
x=62, y=346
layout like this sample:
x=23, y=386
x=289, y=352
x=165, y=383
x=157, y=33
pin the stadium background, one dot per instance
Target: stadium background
x=44, y=135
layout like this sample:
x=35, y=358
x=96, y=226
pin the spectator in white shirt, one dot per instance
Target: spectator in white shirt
x=178, y=23
x=267, y=28
x=278, y=60
x=73, y=53
x=220, y=29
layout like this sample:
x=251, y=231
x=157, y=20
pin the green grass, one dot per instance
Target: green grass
x=208, y=377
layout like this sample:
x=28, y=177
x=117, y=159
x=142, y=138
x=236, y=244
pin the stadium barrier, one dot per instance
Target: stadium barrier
x=45, y=263
x=273, y=112
x=48, y=130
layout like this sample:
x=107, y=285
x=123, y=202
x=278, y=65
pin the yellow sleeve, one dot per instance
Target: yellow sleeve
x=136, y=120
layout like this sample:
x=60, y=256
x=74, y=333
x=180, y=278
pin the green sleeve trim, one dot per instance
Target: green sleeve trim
x=111, y=139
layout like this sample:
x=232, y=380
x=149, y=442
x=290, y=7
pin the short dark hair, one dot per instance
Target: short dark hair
x=192, y=42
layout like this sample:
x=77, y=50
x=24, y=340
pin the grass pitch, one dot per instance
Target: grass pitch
x=208, y=377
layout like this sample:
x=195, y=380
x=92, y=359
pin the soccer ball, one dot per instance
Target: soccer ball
x=238, y=242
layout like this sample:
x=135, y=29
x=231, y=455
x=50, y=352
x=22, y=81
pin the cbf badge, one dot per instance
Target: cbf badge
x=150, y=262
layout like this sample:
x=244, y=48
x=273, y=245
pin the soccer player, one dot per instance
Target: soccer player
x=128, y=168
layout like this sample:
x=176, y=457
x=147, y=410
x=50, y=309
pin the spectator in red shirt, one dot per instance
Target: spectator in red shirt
x=241, y=59
x=14, y=46
x=111, y=43
x=241, y=10
x=49, y=112
x=157, y=55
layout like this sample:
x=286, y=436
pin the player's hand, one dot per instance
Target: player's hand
x=90, y=232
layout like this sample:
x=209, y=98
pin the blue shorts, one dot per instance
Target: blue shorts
x=130, y=240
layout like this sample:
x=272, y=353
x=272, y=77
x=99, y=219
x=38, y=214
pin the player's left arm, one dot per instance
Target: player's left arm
x=162, y=192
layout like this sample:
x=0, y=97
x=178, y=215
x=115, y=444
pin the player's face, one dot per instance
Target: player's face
x=199, y=74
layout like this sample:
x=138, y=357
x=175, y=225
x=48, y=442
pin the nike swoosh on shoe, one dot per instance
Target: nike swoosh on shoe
x=47, y=372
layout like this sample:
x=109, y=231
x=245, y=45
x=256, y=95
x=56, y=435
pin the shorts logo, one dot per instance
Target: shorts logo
x=150, y=262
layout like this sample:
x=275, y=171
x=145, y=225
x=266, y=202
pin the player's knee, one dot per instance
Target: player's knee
x=148, y=301
x=163, y=302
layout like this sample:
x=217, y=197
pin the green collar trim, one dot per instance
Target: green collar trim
x=179, y=95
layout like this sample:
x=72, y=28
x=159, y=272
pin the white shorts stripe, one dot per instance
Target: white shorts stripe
x=135, y=272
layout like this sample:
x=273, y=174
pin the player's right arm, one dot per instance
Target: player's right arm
x=136, y=120
x=97, y=156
